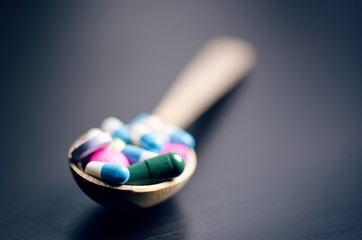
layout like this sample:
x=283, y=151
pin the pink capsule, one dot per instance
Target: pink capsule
x=109, y=155
x=177, y=148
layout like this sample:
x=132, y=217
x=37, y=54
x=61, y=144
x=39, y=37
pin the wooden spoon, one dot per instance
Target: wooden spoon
x=219, y=66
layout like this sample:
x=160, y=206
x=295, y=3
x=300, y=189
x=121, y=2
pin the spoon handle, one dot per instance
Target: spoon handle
x=218, y=67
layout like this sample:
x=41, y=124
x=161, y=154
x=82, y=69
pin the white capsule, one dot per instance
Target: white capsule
x=153, y=122
x=143, y=137
x=168, y=129
x=94, y=169
x=110, y=124
x=137, y=131
x=108, y=172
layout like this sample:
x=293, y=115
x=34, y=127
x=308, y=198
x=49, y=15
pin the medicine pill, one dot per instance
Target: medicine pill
x=93, y=131
x=117, y=144
x=122, y=133
x=153, y=122
x=108, y=172
x=116, y=128
x=109, y=155
x=177, y=148
x=142, y=136
x=91, y=145
x=159, y=151
x=157, y=169
x=178, y=135
x=136, y=154
x=138, y=119
x=110, y=124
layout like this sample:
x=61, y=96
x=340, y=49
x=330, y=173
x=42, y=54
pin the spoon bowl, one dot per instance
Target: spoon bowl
x=219, y=66
x=128, y=197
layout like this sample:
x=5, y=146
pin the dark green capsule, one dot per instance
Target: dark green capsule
x=157, y=169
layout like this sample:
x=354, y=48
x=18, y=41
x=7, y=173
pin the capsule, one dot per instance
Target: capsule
x=108, y=172
x=91, y=145
x=178, y=135
x=122, y=133
x=157, y=169
x=151, y=121
x=110, y=124
x=142, y=136
x=116, y=128
x=138, y=119
x=136, y=154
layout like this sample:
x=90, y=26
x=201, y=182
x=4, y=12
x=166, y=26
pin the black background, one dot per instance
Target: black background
x=279, y=157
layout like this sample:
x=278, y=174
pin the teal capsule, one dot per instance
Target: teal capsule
x=157, y=169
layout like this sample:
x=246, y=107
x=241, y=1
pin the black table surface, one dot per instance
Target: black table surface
x=278, y=158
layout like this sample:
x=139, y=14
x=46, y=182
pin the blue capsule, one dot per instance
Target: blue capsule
x=151, y=142
x=108, y=172
x=143, y=137
x=122, y=133
x=178, y=135
x=116, y=128
x=136, y=154
x=139, y=118
x=110, y=124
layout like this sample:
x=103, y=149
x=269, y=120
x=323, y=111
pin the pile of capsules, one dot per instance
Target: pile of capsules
x=144, y=151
